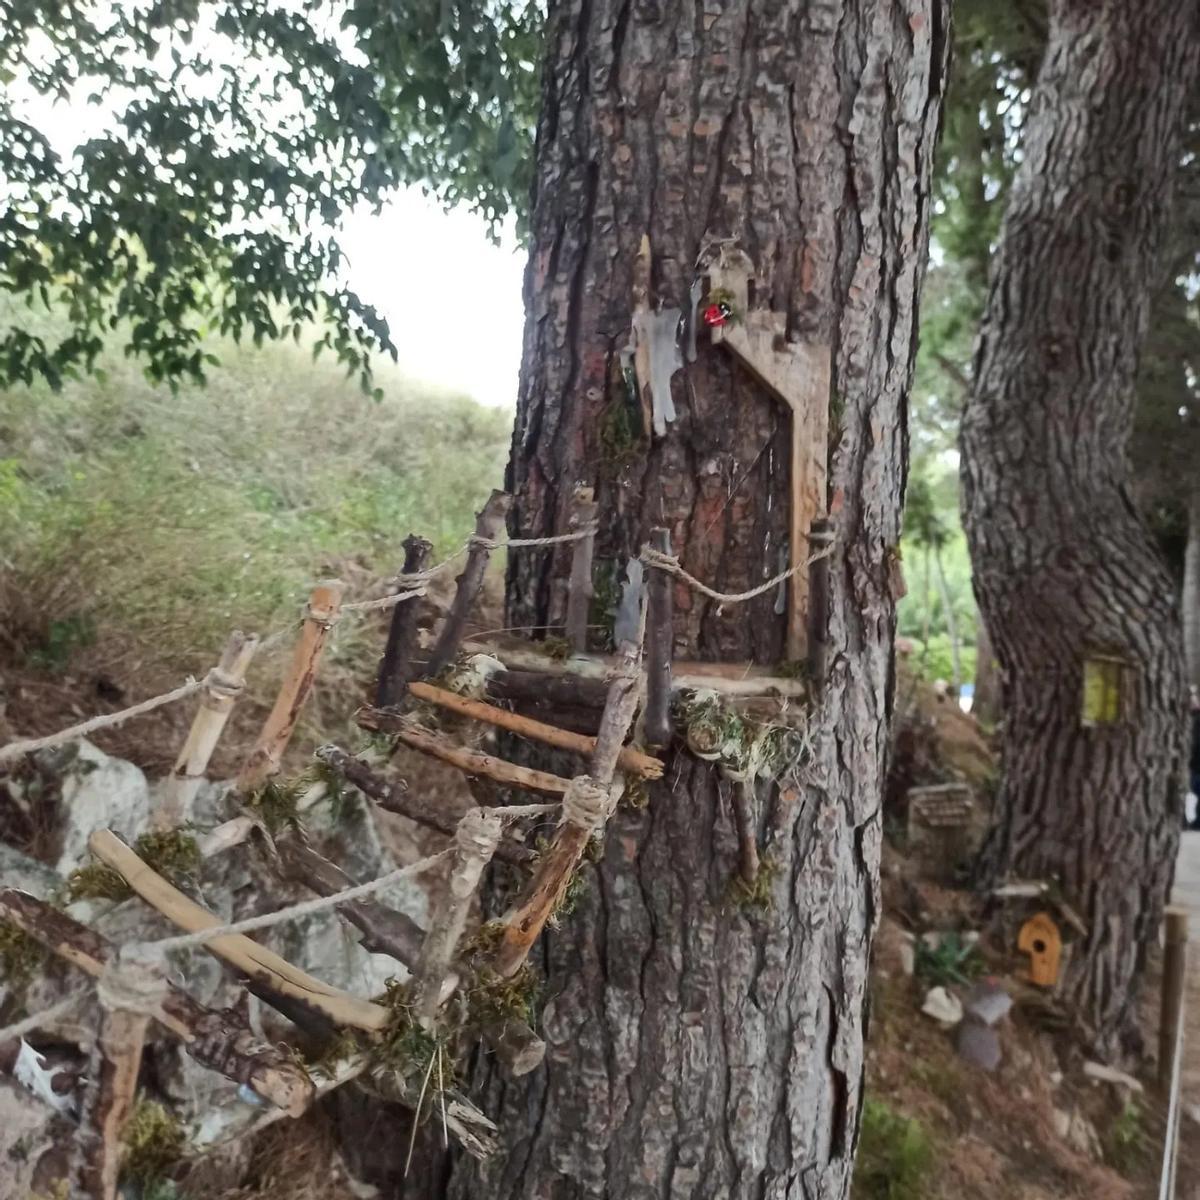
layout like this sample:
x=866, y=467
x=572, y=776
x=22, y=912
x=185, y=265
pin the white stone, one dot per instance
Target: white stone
x=99, y=792
x=943, y=1006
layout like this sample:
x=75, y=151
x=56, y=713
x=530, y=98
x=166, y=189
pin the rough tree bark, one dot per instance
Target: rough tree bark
x=1064, y=568
x=695, y=1048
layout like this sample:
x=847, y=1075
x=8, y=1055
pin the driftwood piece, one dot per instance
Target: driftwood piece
x=397, y=669
x=323, y=607
x=727, y=679
x=220, y=1041
x=820, y=538
x=257, y=962
x=107, y=1102
x=798, y=373
x=579, y=586
x=471, y=762
x=660, y=638
x=386, y=931
x=216, y=702
x=488, y=524
x=559, y=862
x=631, y=760
x=394, y=796
x=475, y=842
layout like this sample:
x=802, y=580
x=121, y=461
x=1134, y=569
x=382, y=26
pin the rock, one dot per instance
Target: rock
x=1106, y=1074
x=19, y=871
x=29, y=1133
x=978, y=1044
x=943, y=1006
x=1061, y=1122
x=98, y=792
x=988, y=1002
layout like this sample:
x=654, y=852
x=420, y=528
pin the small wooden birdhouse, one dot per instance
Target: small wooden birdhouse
x=1040, y=939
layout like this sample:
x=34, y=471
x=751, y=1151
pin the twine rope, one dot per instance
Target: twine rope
x=585, y=804
x=130, y=983
x=670, y=564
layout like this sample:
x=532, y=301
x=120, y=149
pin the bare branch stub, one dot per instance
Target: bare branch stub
x=743, y=802
x=397, y=668
x=263, y=762
x=660, y=638
x=488, y=525
x=579, y=586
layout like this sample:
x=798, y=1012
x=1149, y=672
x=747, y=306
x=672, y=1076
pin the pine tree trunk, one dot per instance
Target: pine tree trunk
x=1064, y=567
x=697, y=1048
x=985, y=703
x=1191, y=590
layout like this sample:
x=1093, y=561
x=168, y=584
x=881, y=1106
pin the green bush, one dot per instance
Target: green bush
x=895, y=1156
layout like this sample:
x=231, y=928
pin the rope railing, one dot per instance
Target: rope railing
x=648, y=555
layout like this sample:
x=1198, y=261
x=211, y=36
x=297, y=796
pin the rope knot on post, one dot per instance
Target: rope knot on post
x=585, y=804
x=478, y=834
x=222, y=685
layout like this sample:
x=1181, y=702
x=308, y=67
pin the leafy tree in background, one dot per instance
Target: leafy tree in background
x=241, y=133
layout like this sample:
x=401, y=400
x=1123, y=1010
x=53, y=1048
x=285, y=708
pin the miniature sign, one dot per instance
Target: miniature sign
x=945, y=828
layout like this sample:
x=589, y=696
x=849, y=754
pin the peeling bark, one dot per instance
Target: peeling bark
x=1064, y=566
x=696, y=1049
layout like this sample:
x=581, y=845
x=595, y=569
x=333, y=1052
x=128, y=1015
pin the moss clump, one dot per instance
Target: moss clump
x=895, y=1156
x=756, y=895
x=154, y=1143
x=1127, y=1143
x=636, y=793
x=750, y=749
x=558, y=648
x=411, y=1059
x=492, y=999
x=276, y=805
x=97, y=882
x=342, y=1046
x=21, y=957
x=173, y=853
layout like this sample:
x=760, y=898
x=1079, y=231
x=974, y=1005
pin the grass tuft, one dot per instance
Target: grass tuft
x=895, y=1156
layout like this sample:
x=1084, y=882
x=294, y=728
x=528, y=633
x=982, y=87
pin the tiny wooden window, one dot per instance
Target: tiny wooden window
x=1106, y=681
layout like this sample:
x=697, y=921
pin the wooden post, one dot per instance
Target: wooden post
x=216, y=1040
x=1174, y=979
x=579, y=588
x=798, y=372
x=475, y=842
x=323, y=607
x=820, y=538
x=108, y=1100
x=558, y=864
x=216, y=702
x=660, y=638
x=397, y=668
x=743, y=800
x=488, y=524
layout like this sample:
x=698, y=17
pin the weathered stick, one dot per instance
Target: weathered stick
x=743, y=819
x=475, y=842
x=216, y=702
x=471, y=762
x=660, y=639
x=579, y=586
x=257, y=962
x=642, y=271
x=323, y=607
x=820, y=537
x=488, y=524
x=586, y=804
x=107, y=1102
x=397, y=667
x=631, y=760
x=394, y=796
x=728, y=679
x=219, y=1041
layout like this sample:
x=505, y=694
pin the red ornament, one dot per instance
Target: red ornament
x=717, y=314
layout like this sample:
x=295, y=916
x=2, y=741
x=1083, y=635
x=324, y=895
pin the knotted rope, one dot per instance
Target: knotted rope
x=670, y=564
x=585, y=804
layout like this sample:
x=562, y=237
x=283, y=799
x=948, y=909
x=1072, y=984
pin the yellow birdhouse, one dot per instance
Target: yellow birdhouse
x=1040, y=939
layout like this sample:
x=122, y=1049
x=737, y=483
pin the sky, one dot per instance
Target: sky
x=452, y=297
